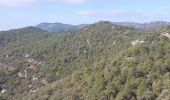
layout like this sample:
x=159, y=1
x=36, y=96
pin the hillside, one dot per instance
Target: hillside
x=27, y=34
x=100, y=61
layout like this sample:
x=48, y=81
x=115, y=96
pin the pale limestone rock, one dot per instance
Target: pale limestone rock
x=34, y=78
x=137, y=42
x=166, y=34
x=3, y=91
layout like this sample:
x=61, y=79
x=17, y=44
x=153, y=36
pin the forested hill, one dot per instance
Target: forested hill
x=20, y=35
x=101, y=61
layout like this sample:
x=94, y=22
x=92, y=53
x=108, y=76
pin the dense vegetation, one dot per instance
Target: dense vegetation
x=97, y=62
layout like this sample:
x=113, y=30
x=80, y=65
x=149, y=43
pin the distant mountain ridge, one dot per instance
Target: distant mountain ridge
x=60, y=27
x=146, y=26
x=56, y=27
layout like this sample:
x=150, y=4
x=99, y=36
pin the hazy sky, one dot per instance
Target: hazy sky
x=20, y=13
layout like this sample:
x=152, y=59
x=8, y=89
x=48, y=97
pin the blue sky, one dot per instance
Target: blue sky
x=21, y=13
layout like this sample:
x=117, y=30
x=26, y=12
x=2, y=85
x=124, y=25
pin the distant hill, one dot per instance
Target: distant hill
x=146, y=26
x=22, y=30
x=56, y=27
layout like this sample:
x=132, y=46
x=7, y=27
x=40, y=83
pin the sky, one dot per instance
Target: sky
x=22, y=13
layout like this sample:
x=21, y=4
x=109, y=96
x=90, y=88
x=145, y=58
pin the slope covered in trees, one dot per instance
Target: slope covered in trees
x=100, y=61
